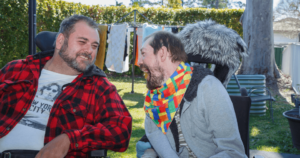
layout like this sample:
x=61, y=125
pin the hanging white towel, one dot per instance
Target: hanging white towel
x=116, y=47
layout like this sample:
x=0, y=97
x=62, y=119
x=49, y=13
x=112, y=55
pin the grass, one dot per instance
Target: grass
x=273, y=137
x=264, y=135
x=134, y=103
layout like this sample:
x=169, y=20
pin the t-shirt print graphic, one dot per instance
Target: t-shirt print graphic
x=49, y=92
x=29, y=121
x=39, y=111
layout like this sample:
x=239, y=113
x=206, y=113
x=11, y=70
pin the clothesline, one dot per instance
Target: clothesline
x=140, y=25
x=135, y=25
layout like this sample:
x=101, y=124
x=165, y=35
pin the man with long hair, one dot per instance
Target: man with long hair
x=188, y=112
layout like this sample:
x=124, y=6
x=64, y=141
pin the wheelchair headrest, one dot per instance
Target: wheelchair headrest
x=197, y=58
x=221, y=70
x=45, y=40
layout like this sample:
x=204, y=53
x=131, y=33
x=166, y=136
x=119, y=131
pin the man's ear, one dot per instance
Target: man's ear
x=59, y=41
x=163, y=53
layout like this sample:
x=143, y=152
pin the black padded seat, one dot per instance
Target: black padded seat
x=45, y=40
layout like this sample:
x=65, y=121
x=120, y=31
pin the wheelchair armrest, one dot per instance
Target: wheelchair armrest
x=101, y=153
x=253, y=89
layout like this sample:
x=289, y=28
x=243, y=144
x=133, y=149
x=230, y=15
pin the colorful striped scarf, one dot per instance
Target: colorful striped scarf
x=161, y=103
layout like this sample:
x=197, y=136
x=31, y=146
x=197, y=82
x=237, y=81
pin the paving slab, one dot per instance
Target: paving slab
x=266, y=154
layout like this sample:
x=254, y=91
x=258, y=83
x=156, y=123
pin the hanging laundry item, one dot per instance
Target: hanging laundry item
x=126, y=53
x=116, y=48
x=139, y=42
x=149, y=29
x=169, y=29
x=101, y=51
x=175, y=29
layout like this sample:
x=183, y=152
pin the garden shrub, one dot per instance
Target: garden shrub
x=14, y=20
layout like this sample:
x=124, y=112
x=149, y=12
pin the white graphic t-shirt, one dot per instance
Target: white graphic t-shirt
x=29, y=133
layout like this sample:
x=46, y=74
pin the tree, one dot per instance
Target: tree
x=258, y=35
x=287, y=8
x=166, y=3
x=214, y=3
x=192, y=3
x=142, y=3
x=179, y=3
x=174, y=4
x=236, y=4
x=119, y=4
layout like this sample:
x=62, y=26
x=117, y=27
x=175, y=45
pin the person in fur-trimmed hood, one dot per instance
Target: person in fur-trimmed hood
x=188, y=111
x=209, y=42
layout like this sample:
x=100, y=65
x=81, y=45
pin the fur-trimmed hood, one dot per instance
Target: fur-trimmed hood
x=215, y=42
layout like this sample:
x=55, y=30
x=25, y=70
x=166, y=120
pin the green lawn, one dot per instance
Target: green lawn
x=264, y=135
x=134, y=103
x=274, y=137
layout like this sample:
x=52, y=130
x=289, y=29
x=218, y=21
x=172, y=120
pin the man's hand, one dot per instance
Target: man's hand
x=141, y=147
x=56, y=148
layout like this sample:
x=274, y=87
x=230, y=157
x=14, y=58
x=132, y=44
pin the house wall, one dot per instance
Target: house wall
x=278, y=39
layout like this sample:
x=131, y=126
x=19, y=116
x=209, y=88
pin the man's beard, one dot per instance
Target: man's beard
x=72, y=61
x=154, y=81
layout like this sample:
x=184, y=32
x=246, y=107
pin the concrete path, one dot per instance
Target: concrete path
x=266, y=154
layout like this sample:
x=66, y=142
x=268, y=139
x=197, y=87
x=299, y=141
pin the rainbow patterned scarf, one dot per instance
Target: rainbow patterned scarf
x=161, y=103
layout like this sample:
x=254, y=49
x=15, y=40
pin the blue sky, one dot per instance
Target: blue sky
x=126, y=2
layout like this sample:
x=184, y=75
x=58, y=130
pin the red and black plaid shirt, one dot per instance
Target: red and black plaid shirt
x=89, y=110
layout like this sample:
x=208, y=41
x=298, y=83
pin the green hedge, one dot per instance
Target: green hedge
x=14, y=20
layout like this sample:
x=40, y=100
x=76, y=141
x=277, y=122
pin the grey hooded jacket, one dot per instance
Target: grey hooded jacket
x=207, y=120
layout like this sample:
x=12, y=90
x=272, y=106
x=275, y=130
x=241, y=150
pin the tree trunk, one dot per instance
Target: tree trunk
x=217, y=4
x=258, y=35
x=211, y=4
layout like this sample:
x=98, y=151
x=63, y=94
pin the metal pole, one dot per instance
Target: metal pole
x=32, y=26
x=152, y=22
x=237, y=81
x=134, y=50
x=124, y=17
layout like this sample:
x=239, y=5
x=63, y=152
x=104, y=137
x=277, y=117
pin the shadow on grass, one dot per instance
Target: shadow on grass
x=138, y=133
x=119, y=90
x=136, y=97
x=274, y=137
